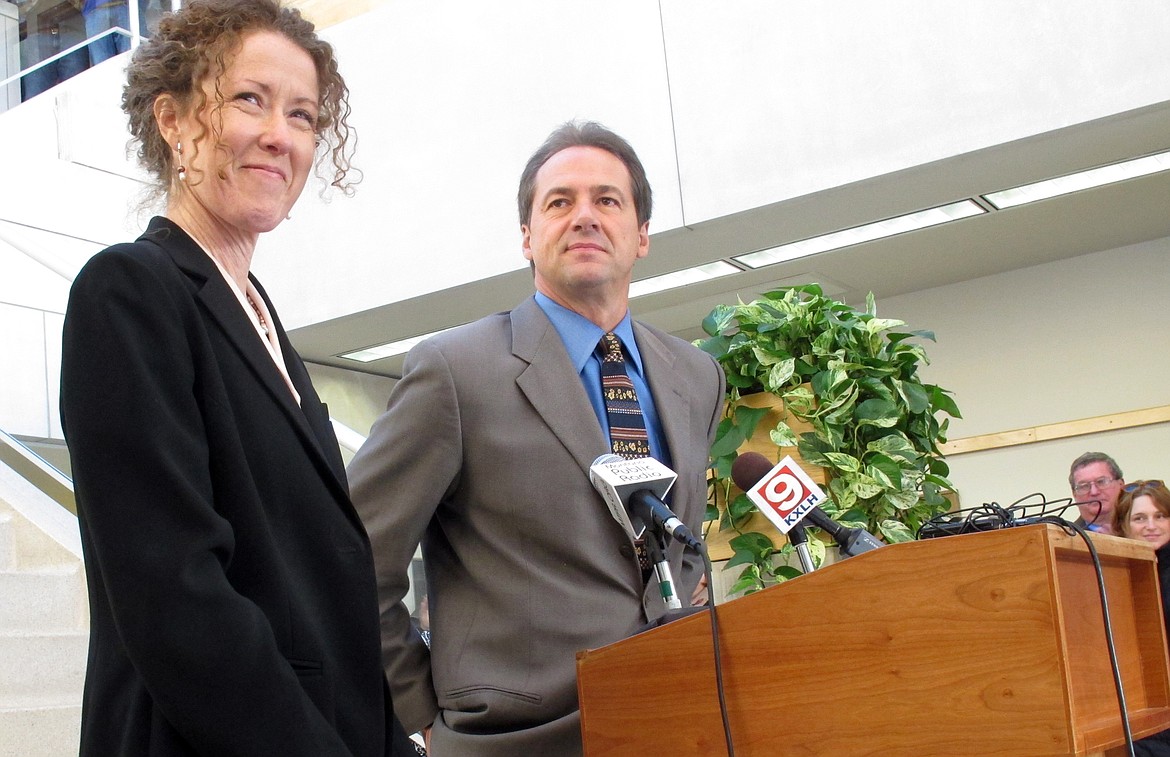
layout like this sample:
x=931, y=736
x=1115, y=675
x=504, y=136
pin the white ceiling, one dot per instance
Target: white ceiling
x=1114, y=216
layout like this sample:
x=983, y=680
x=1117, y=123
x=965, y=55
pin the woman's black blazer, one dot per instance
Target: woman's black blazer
x=231, y=585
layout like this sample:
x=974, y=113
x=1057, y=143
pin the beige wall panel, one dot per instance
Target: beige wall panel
x=1057, y=342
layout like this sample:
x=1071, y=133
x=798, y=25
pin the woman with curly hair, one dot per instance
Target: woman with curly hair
x=231, y=584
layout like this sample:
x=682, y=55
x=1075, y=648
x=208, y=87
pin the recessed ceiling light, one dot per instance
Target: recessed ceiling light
x=1094, y=177
x=858, y=234
x=681, y=278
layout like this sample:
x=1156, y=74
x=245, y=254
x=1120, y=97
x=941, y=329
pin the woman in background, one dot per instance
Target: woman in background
x=231, y=584
x=1143, y=512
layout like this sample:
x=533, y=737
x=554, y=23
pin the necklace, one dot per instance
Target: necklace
x=263, y=323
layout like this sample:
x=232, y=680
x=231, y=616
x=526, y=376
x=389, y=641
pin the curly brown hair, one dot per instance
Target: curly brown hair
x=197, y=42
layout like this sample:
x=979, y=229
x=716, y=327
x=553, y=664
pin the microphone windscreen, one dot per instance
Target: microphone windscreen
x=749, y=468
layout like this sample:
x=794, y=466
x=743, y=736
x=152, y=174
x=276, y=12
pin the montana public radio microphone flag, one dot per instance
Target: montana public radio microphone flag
x=617, y=478
x=786, y=494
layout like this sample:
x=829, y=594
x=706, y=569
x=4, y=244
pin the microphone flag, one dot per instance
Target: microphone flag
x=617, y=478
x=786, y=494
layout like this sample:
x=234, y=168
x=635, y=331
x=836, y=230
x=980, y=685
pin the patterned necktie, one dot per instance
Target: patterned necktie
x=627, y=427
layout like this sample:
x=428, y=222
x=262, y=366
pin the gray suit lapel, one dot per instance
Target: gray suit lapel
x=670, y=394
x=553, y=387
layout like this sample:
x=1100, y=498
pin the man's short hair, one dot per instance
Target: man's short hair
x=587, y=134
x=1089, y=458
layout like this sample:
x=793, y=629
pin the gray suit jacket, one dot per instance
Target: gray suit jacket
x=483, y=454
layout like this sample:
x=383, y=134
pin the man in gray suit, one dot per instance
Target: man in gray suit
x=483, y=455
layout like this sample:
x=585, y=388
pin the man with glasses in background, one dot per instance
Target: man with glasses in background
x=1096, y=483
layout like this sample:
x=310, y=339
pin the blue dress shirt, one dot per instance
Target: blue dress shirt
x=580, y=337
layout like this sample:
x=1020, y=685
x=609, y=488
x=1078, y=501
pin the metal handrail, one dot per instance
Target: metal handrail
x=53, y=58
x=34, y=469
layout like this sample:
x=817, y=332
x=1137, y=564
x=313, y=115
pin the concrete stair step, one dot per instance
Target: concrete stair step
x=42, y=669
x=26, y=546
x=40, y=731
x=45, y=599
x=44, y=620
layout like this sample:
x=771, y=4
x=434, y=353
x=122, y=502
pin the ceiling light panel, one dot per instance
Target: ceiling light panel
x=859, y=234
x=1094, y=177
x=401, y=347
x=715, y=270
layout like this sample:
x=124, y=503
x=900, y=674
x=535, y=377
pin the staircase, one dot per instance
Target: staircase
x=44, y=623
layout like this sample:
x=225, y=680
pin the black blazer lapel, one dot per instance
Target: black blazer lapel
x=225, y=312
x=314, y=412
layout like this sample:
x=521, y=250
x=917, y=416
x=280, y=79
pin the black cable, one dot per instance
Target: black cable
x=1084, y=534
x=718, y=657
x=1097, y=514
x=991, y=516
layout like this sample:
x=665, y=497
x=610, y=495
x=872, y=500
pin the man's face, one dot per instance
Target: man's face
x=583, y=235
x=1095, y=481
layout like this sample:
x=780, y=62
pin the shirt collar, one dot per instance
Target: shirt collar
x=580, y=335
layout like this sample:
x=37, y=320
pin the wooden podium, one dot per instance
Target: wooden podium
x=983, y=644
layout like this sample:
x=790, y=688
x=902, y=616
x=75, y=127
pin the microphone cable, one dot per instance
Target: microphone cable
x=718, y=658
x=1080, y=530
x=991, y=516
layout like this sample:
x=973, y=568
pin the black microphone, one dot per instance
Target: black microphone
x=853, y=541
x=751, y=467
x=646, y=505
x=639, y=485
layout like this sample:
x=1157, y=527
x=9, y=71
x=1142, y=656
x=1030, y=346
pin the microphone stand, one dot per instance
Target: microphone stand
x=656, y=548
x=799, y=539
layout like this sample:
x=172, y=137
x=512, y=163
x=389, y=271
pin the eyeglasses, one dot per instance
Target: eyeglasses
x=1152, y=483
x=1100, y=483
x=1140, y=520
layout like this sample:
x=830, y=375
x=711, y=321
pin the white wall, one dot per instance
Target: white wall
x=731, y=106
x=32, y=301
x=1063, y=341
x=774, y=100
x=68, y=191
x=450, y=99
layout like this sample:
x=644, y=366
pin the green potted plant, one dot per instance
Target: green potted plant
x=854, y=378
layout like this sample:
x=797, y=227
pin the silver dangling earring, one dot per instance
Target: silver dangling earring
x=182, y=168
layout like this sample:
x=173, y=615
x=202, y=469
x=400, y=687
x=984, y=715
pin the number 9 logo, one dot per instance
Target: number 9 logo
x=784, y=491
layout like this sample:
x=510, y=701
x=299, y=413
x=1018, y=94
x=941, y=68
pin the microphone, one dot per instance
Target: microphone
x=852, y=541
x=639, y=486
x=786, y=495
x=799, y=539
